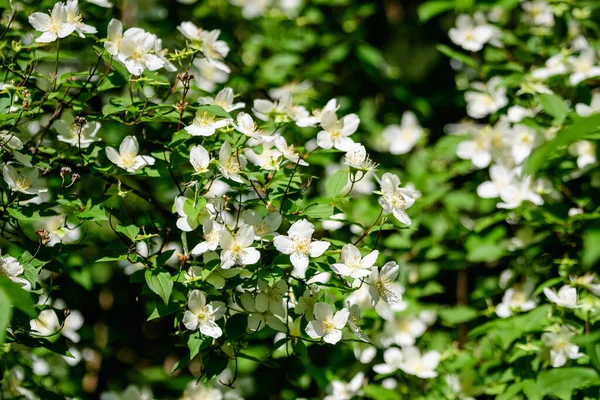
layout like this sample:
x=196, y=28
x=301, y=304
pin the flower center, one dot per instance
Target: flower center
x=398, y=200
x=301, y=244
x=262, y=228
x=128, y=159
x=23, y=183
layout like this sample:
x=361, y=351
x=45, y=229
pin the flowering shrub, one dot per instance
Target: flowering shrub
x=212, y=210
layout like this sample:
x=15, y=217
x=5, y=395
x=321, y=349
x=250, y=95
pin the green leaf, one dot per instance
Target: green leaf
x=380, y=393
x=131, y=231
x=336, y=183
x=162, y=310
x=20, y=298
x=319, y=211
x=111, y=81
x=580, y=128
x=591, y=249
x=5, y=314
x=430, y=9
x=531, y=390
x=554, y=106
x=215, y=363
x=561, y=382
x=197, y=342
x=214, y=110
x=181, y=363
x=159, y=281
x=457, y=315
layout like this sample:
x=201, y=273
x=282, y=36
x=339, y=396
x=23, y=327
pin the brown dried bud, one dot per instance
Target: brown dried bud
x=64, y=171
x=44, y=236
x=182, y=259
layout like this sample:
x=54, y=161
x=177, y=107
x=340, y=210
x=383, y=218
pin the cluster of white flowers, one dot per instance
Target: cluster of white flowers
x=137, y=49
x=62, y=20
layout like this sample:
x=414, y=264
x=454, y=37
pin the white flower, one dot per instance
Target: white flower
x=468, y=35
x=24, y=180
x=236, y=249
x=231, y=164
x=382, y=286
x=402, y=138
x=352, y=264
x=252, y=8
x=280, y=111
x=269, y=159
x=513, y=195
x=59, y=232
x=223, y=99
x=207, y=75
x=247, y=126
x=540, y=13
x=587, y=282
x=132, y=392
x=299, y=245
x=403, y=331
x=560, y=346
x=484, y=144
x=336, y=132
x=127, y=157
x=74, y=134
x=191, y=31
x=266, y=226
x=523, y=139
x=517, y=113
x=585, y=151
x=10, y=141
x=260, y=315
x=12, y=269
x=485, y=99
x=555, y=65
x=516, y=299
x=200, y=159
x=190, y=215
x=101, y=3
x=583, y=67
x=212, y=237
x=72, y=323
x=54, y=26
x=421, y=366
x=583, y=110
x=46, y=324
x=202, y=316
x=289, y=152
x=393, y=358
x=326, y=325
x=501, y=178
x=215, y=50
x=271, y=297
x=315, y=117
x=114, y=35
x=345, y=391
x=306, y=303
x=359, y=159
x=354, y=322
x=206, y=124
x=135, y=51
x=566, y=296
x=74, y=17
x=394, y=199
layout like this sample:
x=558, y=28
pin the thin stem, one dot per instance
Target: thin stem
x=369, y=228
